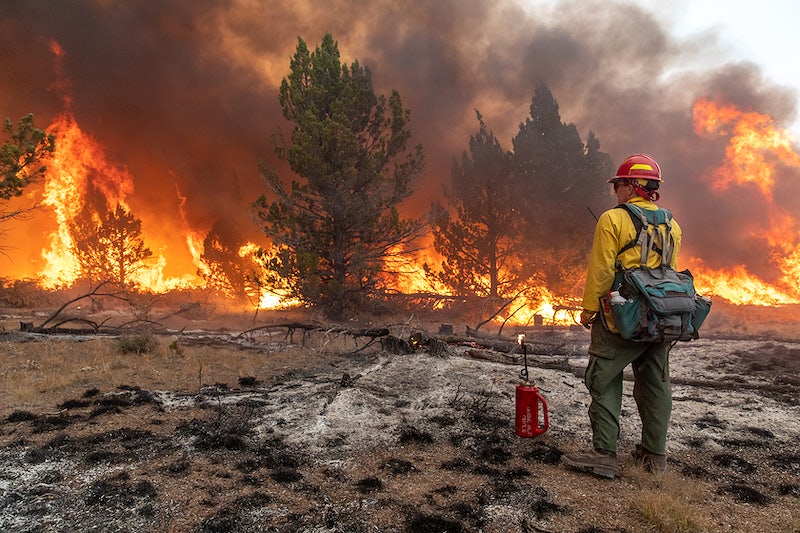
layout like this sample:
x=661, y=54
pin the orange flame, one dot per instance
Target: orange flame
x=534, y=306
x=755, y=147
x=78, y=164
x=77, y=158
x=751, y=137
x=738, y=286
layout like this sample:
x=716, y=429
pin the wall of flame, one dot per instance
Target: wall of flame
x=166, y=107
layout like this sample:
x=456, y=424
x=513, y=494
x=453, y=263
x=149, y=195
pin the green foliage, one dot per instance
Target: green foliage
x=136, y=344
x=481, y=243
x=109, y=246
x=22, y=155
x=175, y=348
x=349, y=147
x=520, y=219
x=558, y=180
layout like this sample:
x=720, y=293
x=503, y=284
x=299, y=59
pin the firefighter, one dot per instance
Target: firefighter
x=637, y=181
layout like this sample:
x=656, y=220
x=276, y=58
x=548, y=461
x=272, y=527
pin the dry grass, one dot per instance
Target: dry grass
x=33, y=369
x=671, y=503
x=45, y=372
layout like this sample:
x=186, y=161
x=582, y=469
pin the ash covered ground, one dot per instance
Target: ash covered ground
x=369, y=439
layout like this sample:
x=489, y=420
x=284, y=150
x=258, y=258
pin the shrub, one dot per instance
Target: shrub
x=138, y=344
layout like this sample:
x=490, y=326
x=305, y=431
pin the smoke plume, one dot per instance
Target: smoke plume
x=183, y=95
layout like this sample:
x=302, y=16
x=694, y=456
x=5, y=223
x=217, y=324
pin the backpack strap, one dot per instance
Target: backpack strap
x=657, y=240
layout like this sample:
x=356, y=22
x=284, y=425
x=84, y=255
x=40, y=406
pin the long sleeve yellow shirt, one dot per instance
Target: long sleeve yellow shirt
x=613, y=231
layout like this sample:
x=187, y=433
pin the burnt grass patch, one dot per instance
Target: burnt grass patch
x=236, y=516
x=746, y=494
x=21, y=416
x=115, y=446
x=230, y=428
x=119, y=491
x=74, y=404
x=414, y=435
x=733, y=462
x=47, y=423
x=369, y=484
x=698, y=472
x=462, y=469
x=789, y=489
x=433, y=523
x=457, y=464
x=710, y=420
x=787, y=462
x=542, y=506
x=286, y=475
x=544, y=453
x=398, y=466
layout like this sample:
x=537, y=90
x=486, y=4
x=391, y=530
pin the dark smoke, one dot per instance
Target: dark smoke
x=184, y=94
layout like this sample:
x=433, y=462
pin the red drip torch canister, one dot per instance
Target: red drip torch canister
x=527, y=421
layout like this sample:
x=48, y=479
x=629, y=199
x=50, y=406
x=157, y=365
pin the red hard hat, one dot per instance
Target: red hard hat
x=638, y=166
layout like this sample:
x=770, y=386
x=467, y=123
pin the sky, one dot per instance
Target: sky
x=183, y=95
x=763, y=31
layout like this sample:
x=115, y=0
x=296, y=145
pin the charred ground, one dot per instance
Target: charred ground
x=219, y=431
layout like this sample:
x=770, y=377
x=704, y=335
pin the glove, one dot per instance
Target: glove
x=587, y=317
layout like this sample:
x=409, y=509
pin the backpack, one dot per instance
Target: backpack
x=655, y=304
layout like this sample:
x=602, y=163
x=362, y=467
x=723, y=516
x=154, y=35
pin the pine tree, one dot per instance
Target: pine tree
x=109, y=247
x=480, y=244
x=22, y=155
x=225, y=269
x=22, y=158
x=349, y=147
x=557, y=178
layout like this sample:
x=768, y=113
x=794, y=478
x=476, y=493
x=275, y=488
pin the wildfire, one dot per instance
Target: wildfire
x=78, y=159
x=752, y=136
x=756, y=146
x=535, y=306
x=756, y=150
x=78, y=167
x=194, y=239
x=738, y=286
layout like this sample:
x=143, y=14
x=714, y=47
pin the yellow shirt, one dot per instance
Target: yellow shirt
x=613, y=231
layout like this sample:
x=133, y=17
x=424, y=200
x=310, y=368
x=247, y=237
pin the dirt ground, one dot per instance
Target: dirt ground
x=216, y=429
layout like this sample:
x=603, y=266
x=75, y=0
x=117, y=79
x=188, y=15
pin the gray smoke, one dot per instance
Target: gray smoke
x=184, y=94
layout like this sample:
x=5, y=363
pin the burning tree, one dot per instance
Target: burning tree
x=481, y=244
x=557, y=178
x=349, y=146
x=109, y=247
x=21, y=158
x=224, y=265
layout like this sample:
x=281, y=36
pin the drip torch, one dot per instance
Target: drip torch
x=529, y=400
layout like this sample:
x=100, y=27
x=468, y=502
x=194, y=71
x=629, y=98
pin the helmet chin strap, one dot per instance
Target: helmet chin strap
x=653, y=196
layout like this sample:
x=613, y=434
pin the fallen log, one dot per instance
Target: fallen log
x=536, y=361
x=28, y=327
x=510, y=344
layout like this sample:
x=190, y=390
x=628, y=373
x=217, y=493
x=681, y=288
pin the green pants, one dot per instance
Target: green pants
x=609, y=355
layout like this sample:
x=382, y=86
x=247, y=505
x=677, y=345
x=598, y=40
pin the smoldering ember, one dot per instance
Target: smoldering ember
x=205, y=421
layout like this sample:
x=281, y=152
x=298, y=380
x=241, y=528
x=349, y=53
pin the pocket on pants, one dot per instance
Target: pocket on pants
x=602, y=342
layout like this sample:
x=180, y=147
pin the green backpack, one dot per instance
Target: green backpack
x=655, y=304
